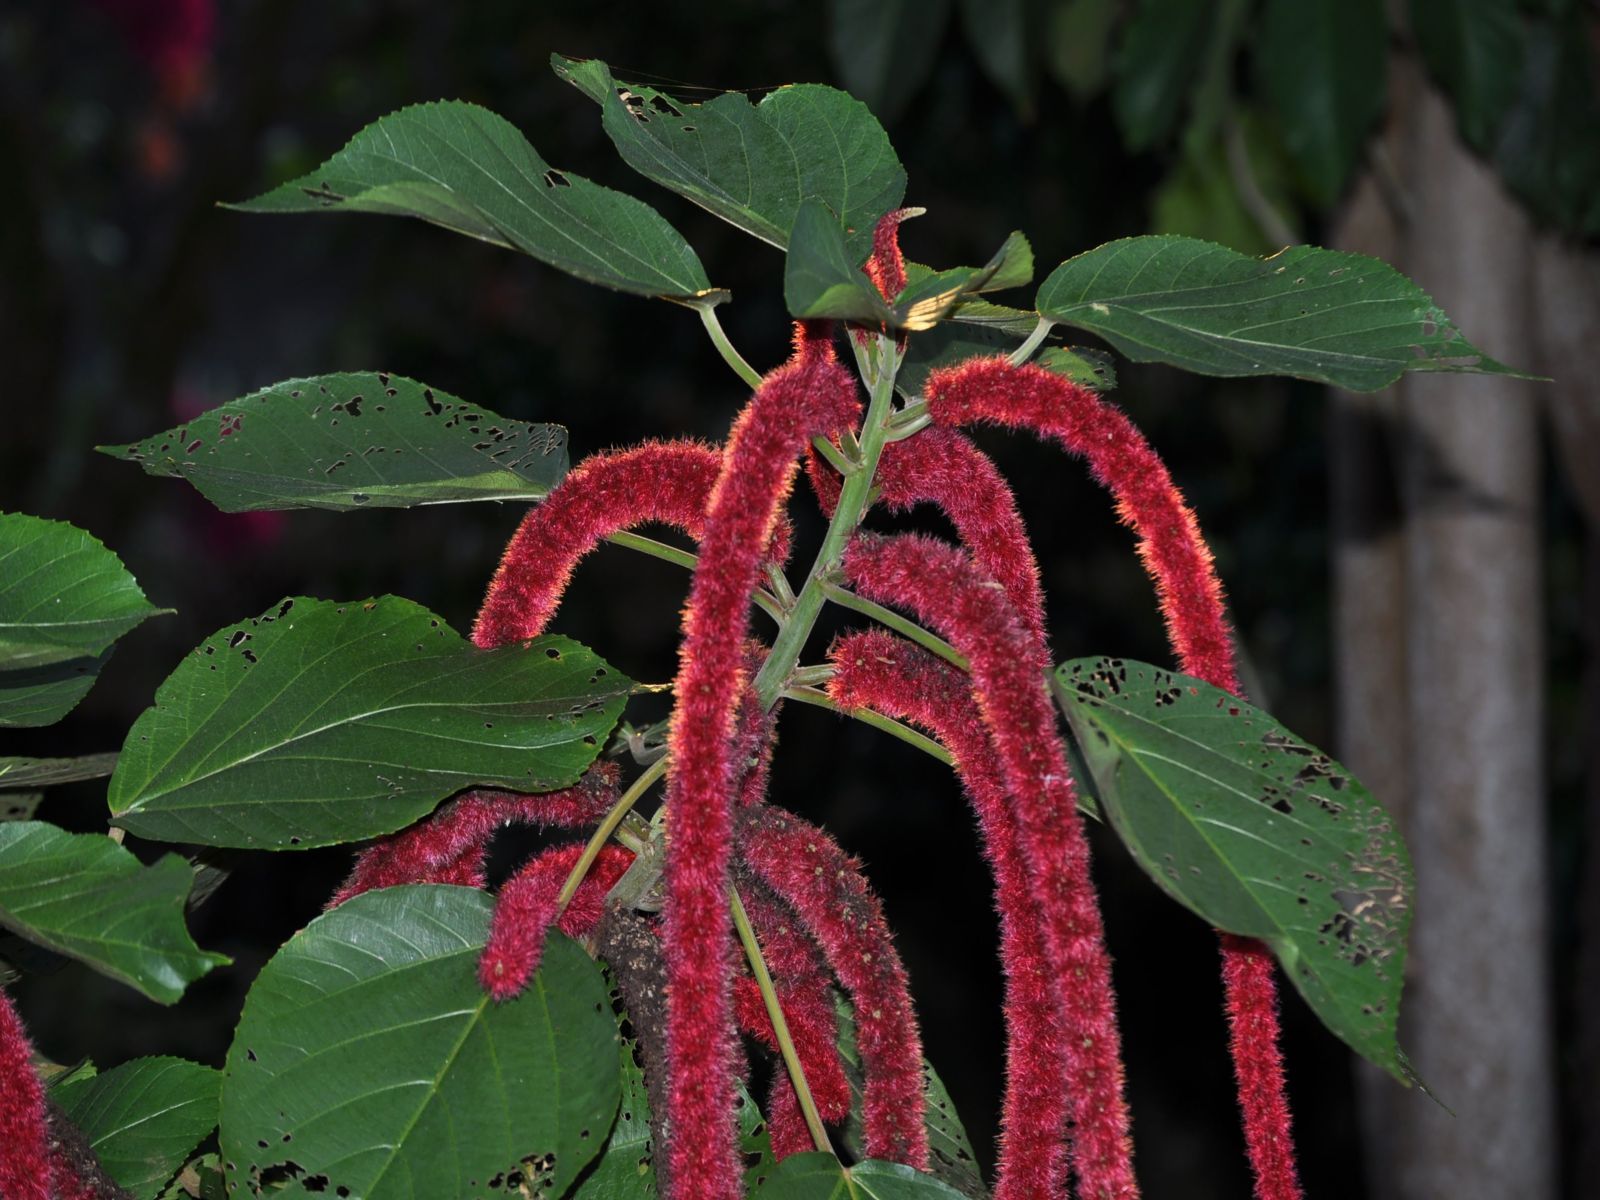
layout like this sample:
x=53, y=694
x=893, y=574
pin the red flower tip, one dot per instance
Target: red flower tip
x=813, y=342
x=1252, y=1001
x=810, y=872
x=25, y=1172
x=526, y=908
x=450, y=845
x=887, y=267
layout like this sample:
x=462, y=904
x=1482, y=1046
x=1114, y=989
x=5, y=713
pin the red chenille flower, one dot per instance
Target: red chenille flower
x=24, y=1126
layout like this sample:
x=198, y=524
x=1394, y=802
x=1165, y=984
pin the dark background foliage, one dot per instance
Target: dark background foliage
x=129, y=302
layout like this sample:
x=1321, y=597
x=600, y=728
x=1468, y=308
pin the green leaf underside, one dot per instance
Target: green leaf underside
x=143, y=1117
x=752, y=164
x=818, y=1176
x=822, y=277
x=363, y=440
x=64, y=599
x=1090, y=368
x=82, y=895
x=1323, y=315
x=368, y=1059
x=43, y=772
x=320, y=722
x=1322, y=66
x=1257, y=832
x=462, y=167
x=935, y=295
x=950, y=1156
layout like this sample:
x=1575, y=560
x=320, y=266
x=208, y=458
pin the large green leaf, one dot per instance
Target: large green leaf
x=82, y=895
x=143, y=1117
x=752, y=164
x=1156, y=65
x=821, y=277
x=950, y=1156
x=463, y=167
x=1336, y=318
x=1322, y=66
x=64, y=599
x=1475, y=48
x=368, y=1062
x=318, y=722
x=1257, y=832
x=885, y=49
x=365, y=440
x=817, y=1176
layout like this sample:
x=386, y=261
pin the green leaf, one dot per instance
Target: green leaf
x=1078, y=44
x=64, y=599
x=885, y=49
x=45, y=772
x=1322, y=66
x=1257, y=832
x=1087, y=368
x=818, y=1176
x=1475, y=48
x=1335, y=318
x=752, y=164
x=200, y=1177
x=319, y=722
x=1156, y=66
x=936, y=295
x=821, y=278
x=142, y=1118
x=82, y=895
x=368, y=1062
x=998, y=32
x=463, y=167
x=950, y=1156
x=366, y=440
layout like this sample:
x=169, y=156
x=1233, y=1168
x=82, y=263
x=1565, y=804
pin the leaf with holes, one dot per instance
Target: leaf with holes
x=463, y=167
x=318, y=723
x=64, y=599
x=366, y=440
x=368, y=1062
x=142, y=1118
x=1323, y=315
x=1257, y=832
x=752, y=164
x=818, y=1176
x=82, y=895
x=950, y=1156
x=822, y=277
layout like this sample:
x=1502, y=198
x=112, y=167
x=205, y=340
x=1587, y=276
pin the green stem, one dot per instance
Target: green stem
x=719, y=339
x=780, y=1026
x=845, y=598
x=835, y=456
x=1025, y=351
x=853, y=498
x=866, y=716
x=602, y=835
x=913, y=418
x=814, y=676
x=772, y=606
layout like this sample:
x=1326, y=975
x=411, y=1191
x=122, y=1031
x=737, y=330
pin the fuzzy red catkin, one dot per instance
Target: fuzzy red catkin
x=943, y=467
x=449, y=846
x=526, y=908
x=823, y=885
x=1179, y=561
x=665, y=482
x=811, y=395
x=25, y=1171
x=878, y=671
x=887, y=267
x=939, y=583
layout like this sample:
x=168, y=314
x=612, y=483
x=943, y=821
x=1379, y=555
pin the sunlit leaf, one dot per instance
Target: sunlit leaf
x=821, y=278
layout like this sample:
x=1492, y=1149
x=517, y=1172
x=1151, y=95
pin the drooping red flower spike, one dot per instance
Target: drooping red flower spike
x=665, y=482
x=526, y=908
x=824, y=886
x=939, y=583
x=804, y=993
x=943, y=467
x=24, y=1125
x=450, y=845
x=887, y=267
x=878, y=671
x=1179, y=561
x=811, y=395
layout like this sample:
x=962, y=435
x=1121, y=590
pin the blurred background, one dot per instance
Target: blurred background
x=1414, y=576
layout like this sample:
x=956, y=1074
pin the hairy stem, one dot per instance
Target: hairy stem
x=780, y=1026
x=607, y=827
